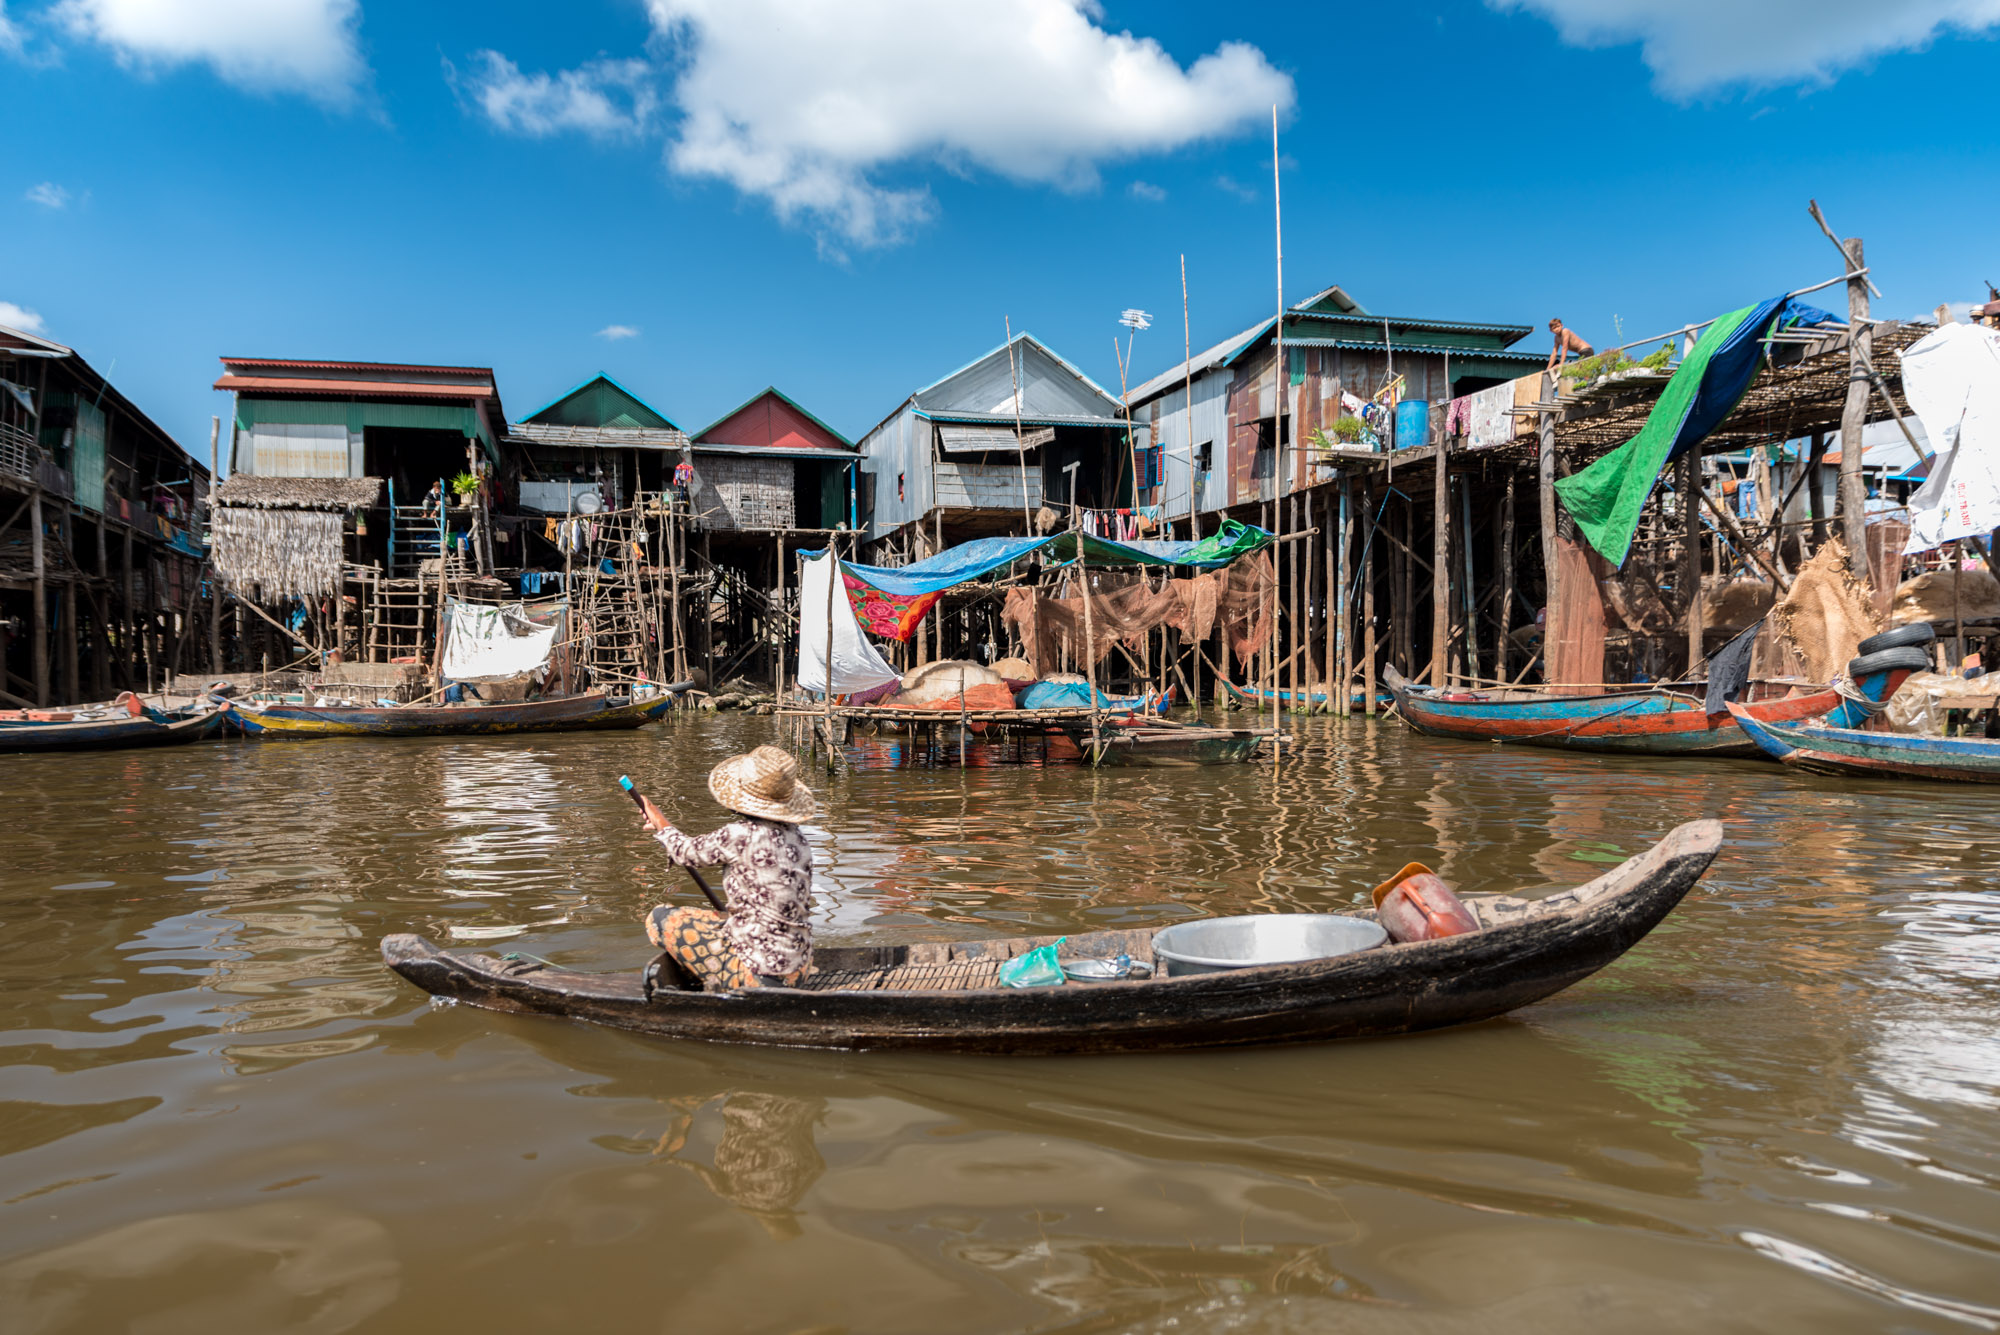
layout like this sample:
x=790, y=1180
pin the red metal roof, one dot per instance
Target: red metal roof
x=486, y=371
x=366, y=388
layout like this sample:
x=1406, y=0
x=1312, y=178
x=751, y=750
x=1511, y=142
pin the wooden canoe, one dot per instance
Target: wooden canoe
x=945, y=997
x=113, y=734
x=1260, y=697
x=1883, y=755
x=1654, y=721
x=567, y=713
x=1141, y=746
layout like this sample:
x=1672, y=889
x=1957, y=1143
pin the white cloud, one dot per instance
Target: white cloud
x=605, y=97
x=1699, y=46
x=11, y=39
x=1149, y=192
x=614, y=332
x=1247, y=193
x=297, y=46
x=799, y=102
x=815, y=108
x=20, y=317
x=48, y=194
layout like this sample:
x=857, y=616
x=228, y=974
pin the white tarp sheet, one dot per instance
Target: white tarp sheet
x=496, y=643
x=1952, y=380
x=856, y=665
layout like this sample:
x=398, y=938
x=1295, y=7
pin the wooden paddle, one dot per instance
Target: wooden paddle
x=653, y=813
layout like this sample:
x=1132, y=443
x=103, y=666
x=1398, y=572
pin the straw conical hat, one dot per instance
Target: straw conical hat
x=764, y=783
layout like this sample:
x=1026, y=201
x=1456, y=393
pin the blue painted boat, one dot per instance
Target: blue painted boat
x=1260, y=697
x=567, y=713
x=1855, y=752
x=1663, y=720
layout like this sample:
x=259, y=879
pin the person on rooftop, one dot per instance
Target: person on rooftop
x=766, y=938
x=1566, y=343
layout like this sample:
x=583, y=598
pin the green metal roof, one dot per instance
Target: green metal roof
x=600, y=401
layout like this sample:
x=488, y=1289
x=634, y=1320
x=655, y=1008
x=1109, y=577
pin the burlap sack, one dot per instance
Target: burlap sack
x=1827, y=613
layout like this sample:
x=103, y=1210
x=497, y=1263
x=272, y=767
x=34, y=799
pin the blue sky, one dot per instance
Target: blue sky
x=849, y=211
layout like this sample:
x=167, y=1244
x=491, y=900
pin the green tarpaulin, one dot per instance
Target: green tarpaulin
x=1605, y=498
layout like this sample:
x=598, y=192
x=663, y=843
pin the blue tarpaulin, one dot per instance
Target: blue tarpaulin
x=970, y=560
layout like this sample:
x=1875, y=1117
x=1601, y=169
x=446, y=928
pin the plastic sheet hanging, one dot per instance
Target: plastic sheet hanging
x=497, y=643
x=857, y=666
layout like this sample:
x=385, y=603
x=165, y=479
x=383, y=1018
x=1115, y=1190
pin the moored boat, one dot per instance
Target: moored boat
x=1155, y=746
x=1260, y=697
x=567, y=713
x=1819, y=749
x=945, y=996
x=116, y=731
x=1664, y=720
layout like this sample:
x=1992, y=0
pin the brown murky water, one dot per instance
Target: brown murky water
x=219, y=1113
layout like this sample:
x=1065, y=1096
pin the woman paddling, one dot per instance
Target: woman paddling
x=765, y=940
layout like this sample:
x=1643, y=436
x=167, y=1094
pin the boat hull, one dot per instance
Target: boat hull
x=1393, y=989
x=1652, y=723
x=1852, y=752
x=110, y=734
x=1174, y=748
x=1261, y=696
x=573, y=713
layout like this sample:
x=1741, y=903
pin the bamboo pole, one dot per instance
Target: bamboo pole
x=39, y=646
x=1339, y=648
x=1089, y=642
x=1691, y=554
x=1368, y=608
x=1187, y=394
x=1440, y=565
x=1504, y=564
x=1020, y=449
x=826, y=653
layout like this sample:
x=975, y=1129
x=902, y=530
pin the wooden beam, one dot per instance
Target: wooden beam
x=1440, y=565
x=39, y=645
x=1854, y=414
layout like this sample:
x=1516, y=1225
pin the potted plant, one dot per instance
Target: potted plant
x=463, y=486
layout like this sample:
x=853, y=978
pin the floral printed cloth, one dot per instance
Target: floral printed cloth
x=887, y=616
x=768, y=887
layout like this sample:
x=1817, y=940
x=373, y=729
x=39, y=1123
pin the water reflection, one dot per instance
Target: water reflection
x=1787, y=1090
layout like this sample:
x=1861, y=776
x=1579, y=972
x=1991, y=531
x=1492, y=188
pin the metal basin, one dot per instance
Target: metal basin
x=1217, y=944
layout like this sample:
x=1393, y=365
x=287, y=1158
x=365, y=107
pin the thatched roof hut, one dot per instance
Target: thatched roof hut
x=280, y=537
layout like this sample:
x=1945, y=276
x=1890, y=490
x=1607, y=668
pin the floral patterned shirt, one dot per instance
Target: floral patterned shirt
x=768, y=887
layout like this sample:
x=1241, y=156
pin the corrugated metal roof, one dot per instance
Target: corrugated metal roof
x=268, y=384
x=779, y=393
x=1363, y=345
x=775, y=451
x=1026, y=419
x=596, y=437
x=486, y=371
x=1519, y=331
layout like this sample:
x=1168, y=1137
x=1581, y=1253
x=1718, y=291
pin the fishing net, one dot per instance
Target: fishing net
x=1125, y=608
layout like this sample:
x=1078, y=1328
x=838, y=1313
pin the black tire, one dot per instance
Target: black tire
x=1888, y=660
x=1917, y=632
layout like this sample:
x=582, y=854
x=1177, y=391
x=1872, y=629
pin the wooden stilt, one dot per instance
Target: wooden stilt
x=1440, y=565
x=1854, y=413
x=39, y=625
x=1368, y=608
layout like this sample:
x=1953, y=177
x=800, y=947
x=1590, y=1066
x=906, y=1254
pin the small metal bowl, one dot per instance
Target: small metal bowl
x=1105, y=971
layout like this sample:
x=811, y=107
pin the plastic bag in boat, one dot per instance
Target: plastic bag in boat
x=1034, y=968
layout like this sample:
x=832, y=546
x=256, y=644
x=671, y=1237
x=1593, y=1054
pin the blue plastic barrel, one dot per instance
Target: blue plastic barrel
x=1413, y=424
